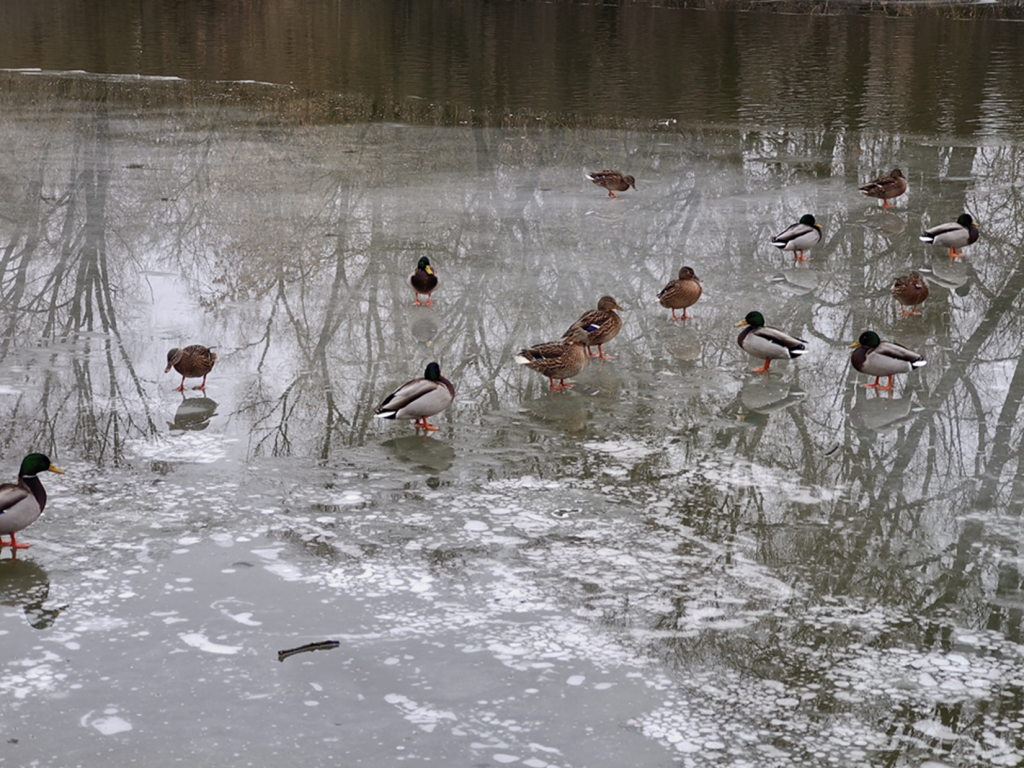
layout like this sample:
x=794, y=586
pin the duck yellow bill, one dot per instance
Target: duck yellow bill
x=741, y=322
x=855, y=344
x=54, y=469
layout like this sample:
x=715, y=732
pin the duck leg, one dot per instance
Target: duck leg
x=14, y=544
x=201, y=386
x=799, y=256
x=600, y=353
x=611, y=194
x=887, y=387
x=422, y=423
x=181, y=387
x=872, y=386
x=763, y=368
x=953, y=254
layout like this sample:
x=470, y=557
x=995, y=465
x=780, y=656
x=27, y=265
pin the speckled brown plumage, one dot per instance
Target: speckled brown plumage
x=681, y=293
x=601, y=324
x=613, y=181
x=910, y=290
x=885, y=188
x=191, y=362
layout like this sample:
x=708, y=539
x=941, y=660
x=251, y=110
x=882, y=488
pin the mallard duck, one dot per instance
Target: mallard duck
x=885, y=188
x=612, y=180
x=953, y=234
x=601, y=324
x=558, y=359
x=681, y=293
x=22, y=502
x=880, y=358
x=419, y=398
x=766, y=343
x=799, y=237
x=191, y=362
x=910, y=291
x=424, y=280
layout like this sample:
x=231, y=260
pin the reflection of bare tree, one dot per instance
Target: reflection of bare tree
x=60, y=286
x=297, y=235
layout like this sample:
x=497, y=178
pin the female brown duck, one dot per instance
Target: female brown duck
x=558, y=359
x=910, y=290
x=191, y=362
x=681, y=293
x=613, y=181
x=601, y=324
x=885, y=188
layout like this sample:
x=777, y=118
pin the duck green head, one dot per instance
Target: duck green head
x=966, y=220
x=35, y=463
x=424, y=265
x=867, y=339
x=808, y=220
x=753, y=319
x=433, y=372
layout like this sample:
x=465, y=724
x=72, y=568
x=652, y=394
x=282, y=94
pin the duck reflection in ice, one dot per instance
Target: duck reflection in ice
x=193, y=414
x=796, y=282
x=424, y=453
x=423, y=326
x=885, y=224
x=951, y=276
x=682, y=344
x=766, y=396
x=569, y=414
x=25, y=584
x=874, y=416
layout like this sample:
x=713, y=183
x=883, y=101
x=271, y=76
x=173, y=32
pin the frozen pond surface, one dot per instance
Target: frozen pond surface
x=677, y=562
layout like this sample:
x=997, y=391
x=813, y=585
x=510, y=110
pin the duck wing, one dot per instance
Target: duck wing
x=406, y=395
x=18, y=507
x=894, y=351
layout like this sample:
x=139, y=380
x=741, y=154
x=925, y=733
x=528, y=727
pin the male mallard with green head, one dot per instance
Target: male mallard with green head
x=22, y=502
x=910, y=290
x=799, y=237
x=191, y=362
x=880, y=358
x=681, y=293
x=885, y=188
x=419, y=399
x=767, y=343
x=953, y=234
x=601, y=324
x=558, y=359
x=424, y=280
x=613, y=181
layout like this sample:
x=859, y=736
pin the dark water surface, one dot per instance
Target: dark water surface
x=927, y=75
x=677, y=562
